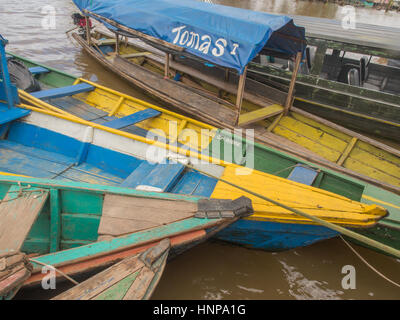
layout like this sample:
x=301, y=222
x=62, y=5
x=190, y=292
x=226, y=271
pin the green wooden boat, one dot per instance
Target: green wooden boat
x=79, y=228
x=351, y=78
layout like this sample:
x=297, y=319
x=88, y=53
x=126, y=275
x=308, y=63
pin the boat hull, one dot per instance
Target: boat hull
x=272, y=236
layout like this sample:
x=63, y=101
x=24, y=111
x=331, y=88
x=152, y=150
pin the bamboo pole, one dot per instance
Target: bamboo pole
x=239, y=96
x=342, y=230
x=289, y=98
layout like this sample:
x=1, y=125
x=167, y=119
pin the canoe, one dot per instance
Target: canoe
x=325, y=86
x=134, y=278
x=299, y=133
x=78, y=228
x=97, y=105
x=50, y=145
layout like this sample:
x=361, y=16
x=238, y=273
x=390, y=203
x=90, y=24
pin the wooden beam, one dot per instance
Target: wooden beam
x=347, y=151
x=166, y=66
x=116, y=43
x=289, y=98
x=239, y=96
x=87, y=21
x=136, y=33
x=55, y=220
x=259, y=114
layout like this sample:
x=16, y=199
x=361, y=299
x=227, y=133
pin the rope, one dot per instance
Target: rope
x=368, y=265
x=59, y=271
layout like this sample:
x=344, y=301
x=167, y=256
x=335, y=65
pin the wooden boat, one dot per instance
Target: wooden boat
x=134, y=278
x=51, y=145
x=298, y=132
x=351, y=78
x=78, y=227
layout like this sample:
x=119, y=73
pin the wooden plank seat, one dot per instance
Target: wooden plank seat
x=10, y=114
x=302, y=174
x=260, y=114
x=154, y=177
x=135, y=55
x=63, y=91
x=132, y=118
x=103, y=42
x=38, y=70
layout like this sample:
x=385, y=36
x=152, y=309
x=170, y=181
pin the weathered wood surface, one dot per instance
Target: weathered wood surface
x=123, y=215
x=92, y=287
x=133, y=278
x=18, y=211
x=14, y=270
x=272, y=140
x=191, y=100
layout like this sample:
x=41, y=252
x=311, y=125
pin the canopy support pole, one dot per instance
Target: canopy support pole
x=116, y=43
x=239, y=96
x=289, y=98
x=87, y=21
x=166, y=69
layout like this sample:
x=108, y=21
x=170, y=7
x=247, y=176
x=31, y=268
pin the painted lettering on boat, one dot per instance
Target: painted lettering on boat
x=202, y=43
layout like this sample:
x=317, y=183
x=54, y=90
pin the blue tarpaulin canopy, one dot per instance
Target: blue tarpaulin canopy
x=227, y=36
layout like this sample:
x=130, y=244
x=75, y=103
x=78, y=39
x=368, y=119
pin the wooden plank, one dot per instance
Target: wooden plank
x=104, y=42
x=162, y=177
x=38, y=70
x=135, y=55
x=289, y=98
x=347, y=151
x=55, y=220
x=92, y=287
x=239, y=95
x=303, y=175
x=123, y=215
x=12, y=114
x=132, y=118
x=18, y=212
x=63, y=91
x=259, y=114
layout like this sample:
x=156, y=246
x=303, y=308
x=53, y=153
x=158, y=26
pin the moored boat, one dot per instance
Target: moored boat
x=80, y=228
x=351, y=78
x=203, y=86
x=54, y=146
x=98, y=106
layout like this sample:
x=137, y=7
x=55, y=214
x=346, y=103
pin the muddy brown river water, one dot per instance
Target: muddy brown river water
x=217, y=270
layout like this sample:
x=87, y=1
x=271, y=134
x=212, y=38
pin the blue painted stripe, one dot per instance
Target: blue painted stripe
x=63, y=91
x=274, y=236
x=38, y=70
x=303, y=175
x=132, y=118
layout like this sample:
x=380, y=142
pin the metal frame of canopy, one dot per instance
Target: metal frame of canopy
x=172, y=48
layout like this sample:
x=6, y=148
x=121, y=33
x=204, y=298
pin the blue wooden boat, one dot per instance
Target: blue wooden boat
x=48, y=145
